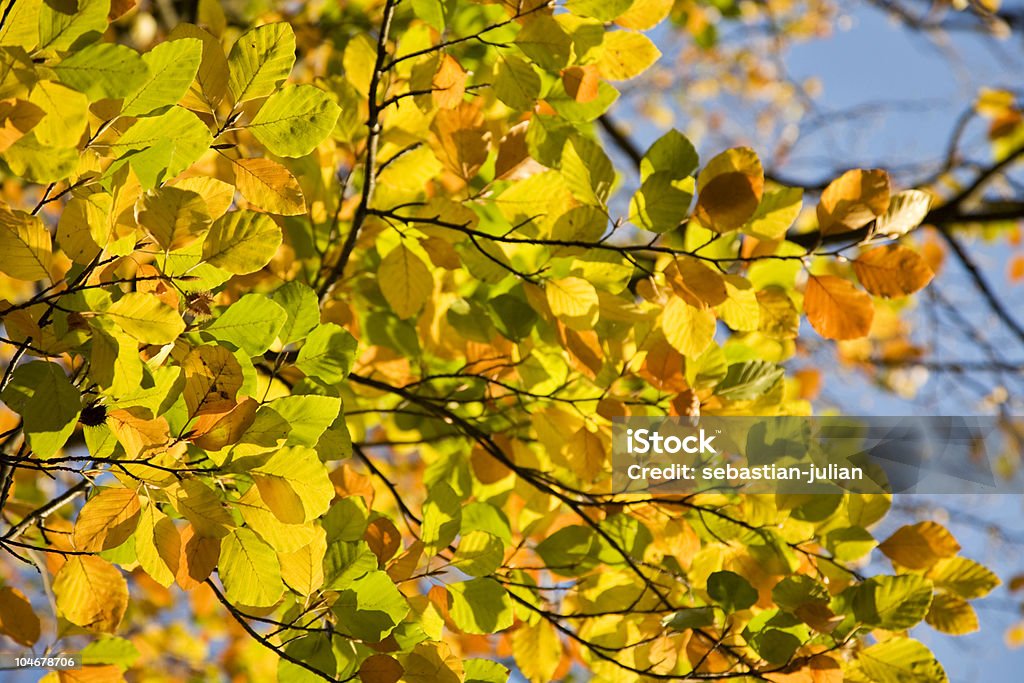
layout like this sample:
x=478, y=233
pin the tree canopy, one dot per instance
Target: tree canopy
x=316, y=317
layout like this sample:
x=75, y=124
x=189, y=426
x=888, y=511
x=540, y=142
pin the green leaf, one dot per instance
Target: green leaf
x=63, y=25
x=775, y=214
x=103, y=70
x=146, y=318
x=516, y=83
x=249, y=569
x=250, y=324
x=605, y=10
x=479, y=553
x=21, y=28
x=694, y=617
x=485, y=671
x=31, y=160
x=850, y=544
x=901, y=660
x=309, y=416
x=894, y=603
x=67, y=114
x=731, y=591
x=260, y=61
x=748, y=380
x=569, y=550
x=442, y=517
x=47, y=402
x=480, y=606
x=662, y=203
x=294, y=485
x=587, y=171
x=673, y=154
x=371, y=608
x=545, y=42
x=293, y=121
x=172, y=68
x=328, y=353
x=242, y=242
x=962, y=576
x=161, y=147
x=110, y=651
x=302, y=307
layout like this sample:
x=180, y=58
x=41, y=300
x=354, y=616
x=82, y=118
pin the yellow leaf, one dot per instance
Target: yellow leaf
x=284, y=538
x=729, y=190
x=270, y=186
x=836, y=308
x=537, y=650
x=217, y=194
x=25, y=244
x=587, y=453
x=625, y=55
x=405, y=281
x=919, y=546
x=146, y=318
x=645, y=14
x=18, y=620
x=687, y=328
x=17, y=117
x=294, y=484
x=853, y=200
x=952, y=614
x=242, y=242
x=67, y=114
x=198, y=503
x=91, y=593
x=158, y=546
x=199, y=555
x=574, y=301
x=303, y=569
x=106, y=520
x=892, y=270
x=216, y=431
x=174, y=217
x=138, y=435
x=213, y=377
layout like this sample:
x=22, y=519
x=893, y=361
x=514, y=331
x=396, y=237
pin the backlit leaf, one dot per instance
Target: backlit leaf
x=836, y=308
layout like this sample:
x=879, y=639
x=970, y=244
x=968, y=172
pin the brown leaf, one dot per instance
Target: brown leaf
x=853, y=200
x=729, y=190
x=892, y=270
x=836, y=308
x=698, y=284
x=213, y=377
x=461, y=139
x=18, y=620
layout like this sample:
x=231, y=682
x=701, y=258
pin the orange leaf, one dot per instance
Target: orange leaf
x=449, y=83
x=17, y=618
x=892, y=270
x=581, y=82
x=836, y=308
